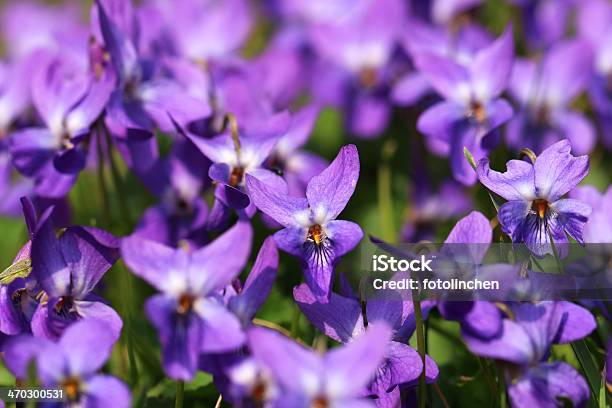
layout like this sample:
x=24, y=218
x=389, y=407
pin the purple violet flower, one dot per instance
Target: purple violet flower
x=524, y=344
x=69, y=96
x=444, y=12
x=14, y=91
x=11, y=188
x=535, y=210
x=189, y=314
x=355, y=56
x=598, y=228
x=296, y=165
x=544, y=92
x=207, y=22
x=460, y=45
x=72, y=363
x=311, y=231
x=251, y=382
x=177, y=181
x=142, y=100
x=245, y=301
x=308, y=379
x=594, y=21
x=430, y=208
x=342, y=319
x=68, y=268
x=472, y=108
x=235, y=154
x=545, y=22
x=480, y=318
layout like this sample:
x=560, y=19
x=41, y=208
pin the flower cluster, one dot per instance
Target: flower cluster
x=185, y=142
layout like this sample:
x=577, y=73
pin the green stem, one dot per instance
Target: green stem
x=502, y=397
x=125, y=210
x=420, y=333
x=295, y=322
x=488, y=376
x=126, y=290
x=102, y=182
x=385, y=195
x=180, y=394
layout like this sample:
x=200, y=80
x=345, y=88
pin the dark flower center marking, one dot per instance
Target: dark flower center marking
x=236, y=176
x=17, y=295
x=478, y=111
x=259, y=391
x=368, y=77
x=276, y=164
x=542, y=115
x=183, y=207
x=318, y=246
x=185, y=303
x=72, y=386
x=320, y=402
x=63, y=307
x=540, y=207
x=67, y=141
x=315, y=234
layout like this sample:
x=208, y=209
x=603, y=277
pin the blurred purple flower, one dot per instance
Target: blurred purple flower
x=307, y=379
x=545, y=22
x=11, y=187
x=598, y=228
x=18, y=299
x=29, y=25
x=14, y=91
x=177, y=181
x=251, y=383
x=472, y=109
x=69, y=95
x=68, y=269
x=460, y=45
x=342, y=319
x=208, y=22
x=355, y=57
x=544, y=92
x=479, y=318
x=288, y=159
x=429, y=209
x=311, y=231
x=282, y=69
x=189, y=314
x=594, y=21
x=142, y=99
x=71, y=363
x=524, y=344
x=443, y=12
x=235, y=154
x=321, y=11
x=535, y=211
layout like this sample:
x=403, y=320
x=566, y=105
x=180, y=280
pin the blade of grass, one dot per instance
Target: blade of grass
x=385, y=194
x=585, y=358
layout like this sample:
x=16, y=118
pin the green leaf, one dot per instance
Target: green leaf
x=201, y=380
x=581, y=349
x=602, y=392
